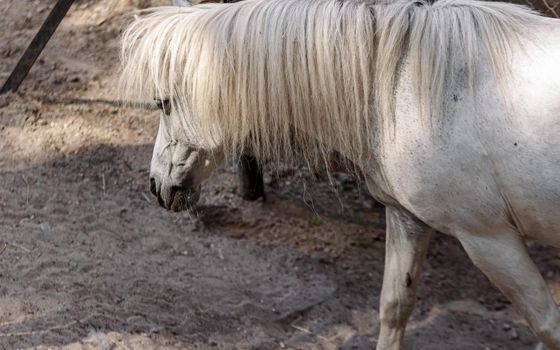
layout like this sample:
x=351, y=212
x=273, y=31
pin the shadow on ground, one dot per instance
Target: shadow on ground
x=85, y=249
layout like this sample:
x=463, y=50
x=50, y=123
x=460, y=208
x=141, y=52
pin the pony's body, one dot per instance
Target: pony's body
x=495, y=161
x=450, y=111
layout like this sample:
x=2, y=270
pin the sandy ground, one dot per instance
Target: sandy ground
x=89, y=261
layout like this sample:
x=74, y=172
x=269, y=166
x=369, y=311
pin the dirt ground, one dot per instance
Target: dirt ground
x=89, y=261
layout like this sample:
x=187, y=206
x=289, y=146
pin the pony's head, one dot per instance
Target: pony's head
x=179, y=164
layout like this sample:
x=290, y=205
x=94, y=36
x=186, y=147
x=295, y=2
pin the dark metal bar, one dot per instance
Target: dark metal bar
x=37, y=45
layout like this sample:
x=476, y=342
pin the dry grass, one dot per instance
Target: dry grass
x=548, y=7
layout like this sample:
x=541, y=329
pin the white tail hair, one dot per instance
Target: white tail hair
x=308, y=75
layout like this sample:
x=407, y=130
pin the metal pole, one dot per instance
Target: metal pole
x=37, y=45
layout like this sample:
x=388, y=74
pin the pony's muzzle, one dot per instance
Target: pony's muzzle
x=174, y=197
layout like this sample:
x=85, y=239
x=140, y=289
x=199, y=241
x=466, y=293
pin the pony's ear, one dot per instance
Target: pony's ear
x=181, y=3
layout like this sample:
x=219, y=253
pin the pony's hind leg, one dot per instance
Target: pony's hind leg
x=504, y=259
x=405, y=247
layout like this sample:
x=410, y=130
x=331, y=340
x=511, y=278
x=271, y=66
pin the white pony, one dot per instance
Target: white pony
x=449, y=111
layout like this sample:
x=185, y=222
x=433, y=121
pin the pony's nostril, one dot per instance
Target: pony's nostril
x=174, y=190
x=153, y=187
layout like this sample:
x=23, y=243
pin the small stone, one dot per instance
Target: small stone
x=513, y=334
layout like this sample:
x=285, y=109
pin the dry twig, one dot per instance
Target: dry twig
x=307, y=331
x=550, y=8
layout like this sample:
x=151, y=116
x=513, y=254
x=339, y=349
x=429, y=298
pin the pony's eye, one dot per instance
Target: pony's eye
x=164, y=105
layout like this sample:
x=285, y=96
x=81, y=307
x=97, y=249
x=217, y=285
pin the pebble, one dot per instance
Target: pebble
x=513, y=334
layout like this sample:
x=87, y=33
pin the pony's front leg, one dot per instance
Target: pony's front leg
x=405, y=247
x=504, y=259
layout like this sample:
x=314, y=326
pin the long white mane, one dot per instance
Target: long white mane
x=311, y=75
